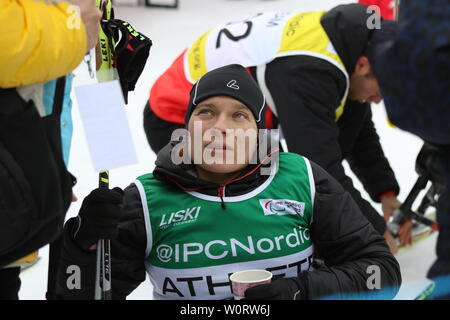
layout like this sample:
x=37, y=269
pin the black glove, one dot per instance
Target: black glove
x=130, y=52
x=281, y=289
x=99, y=216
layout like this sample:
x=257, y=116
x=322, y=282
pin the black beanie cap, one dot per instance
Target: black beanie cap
x=233, y=81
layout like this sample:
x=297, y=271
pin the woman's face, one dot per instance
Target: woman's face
x=223, y=135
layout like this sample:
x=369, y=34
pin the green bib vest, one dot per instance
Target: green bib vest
x=193, y=244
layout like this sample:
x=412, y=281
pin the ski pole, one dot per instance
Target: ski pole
x=103, y=266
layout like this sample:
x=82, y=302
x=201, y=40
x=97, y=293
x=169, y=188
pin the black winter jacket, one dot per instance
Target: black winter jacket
x=341, y=235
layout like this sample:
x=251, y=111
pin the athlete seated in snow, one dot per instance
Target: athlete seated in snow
x=315, y=70
x=193, y=221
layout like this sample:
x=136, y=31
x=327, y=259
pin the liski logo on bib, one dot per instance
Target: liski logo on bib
x=184, y=216
x=282, y=207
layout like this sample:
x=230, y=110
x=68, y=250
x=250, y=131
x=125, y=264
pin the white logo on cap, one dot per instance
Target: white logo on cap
x=233, y=85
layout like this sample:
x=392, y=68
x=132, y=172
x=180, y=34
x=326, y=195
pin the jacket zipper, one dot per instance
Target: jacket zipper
x=221, y=189
x=221, y=193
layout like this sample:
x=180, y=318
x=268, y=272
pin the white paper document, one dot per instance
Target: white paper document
x=105, y=122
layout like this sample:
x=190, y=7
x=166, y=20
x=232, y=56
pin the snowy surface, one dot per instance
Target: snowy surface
x=171, y=31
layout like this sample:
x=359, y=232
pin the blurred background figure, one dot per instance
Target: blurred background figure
x=413, y=73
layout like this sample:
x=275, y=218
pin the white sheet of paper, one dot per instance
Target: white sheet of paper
x=105, y=122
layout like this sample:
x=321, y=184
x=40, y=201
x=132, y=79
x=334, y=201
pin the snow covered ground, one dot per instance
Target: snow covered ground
x=171, y=31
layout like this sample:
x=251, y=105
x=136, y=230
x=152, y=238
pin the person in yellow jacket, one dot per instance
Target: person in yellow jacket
x=40, y=41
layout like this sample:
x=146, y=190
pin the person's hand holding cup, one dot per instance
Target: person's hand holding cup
x=242, y=280
x=259, y=285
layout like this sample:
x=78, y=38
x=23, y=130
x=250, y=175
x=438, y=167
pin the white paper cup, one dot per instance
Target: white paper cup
x=242, y=280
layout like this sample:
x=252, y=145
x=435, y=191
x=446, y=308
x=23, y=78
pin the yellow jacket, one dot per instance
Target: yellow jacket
x=40, y=40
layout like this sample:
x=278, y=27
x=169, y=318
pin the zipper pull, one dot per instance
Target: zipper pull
x=221, y=193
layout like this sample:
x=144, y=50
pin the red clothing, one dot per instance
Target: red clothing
x=386, y=7
x=169, y=95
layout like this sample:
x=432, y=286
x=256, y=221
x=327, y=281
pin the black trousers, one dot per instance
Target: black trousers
x=157, y=130
x=9, y=283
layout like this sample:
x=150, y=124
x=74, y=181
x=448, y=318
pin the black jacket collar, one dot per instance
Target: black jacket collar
x=184, y=177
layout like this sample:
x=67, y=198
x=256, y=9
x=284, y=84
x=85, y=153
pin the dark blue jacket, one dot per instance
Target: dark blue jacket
x=413, y=72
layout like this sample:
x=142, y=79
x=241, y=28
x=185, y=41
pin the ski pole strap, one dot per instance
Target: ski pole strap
x=130, y=52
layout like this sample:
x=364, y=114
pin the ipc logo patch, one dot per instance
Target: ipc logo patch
x=282, y=207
